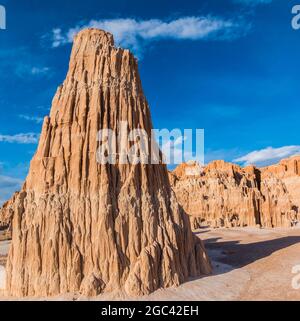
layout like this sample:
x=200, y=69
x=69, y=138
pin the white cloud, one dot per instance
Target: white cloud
x=24, y=70
x=35, y=119
x=132, y=33
x=268, y=155
x=39, y=70
x=58, y=39
x=29, y=138
x=8, y=185
x=23, y=63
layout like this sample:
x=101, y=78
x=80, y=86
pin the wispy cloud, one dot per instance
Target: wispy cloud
x=268, y=155
x=24, y=70
x=35, y=119
x=29, y=138
x=58, y=38
x=23, y=63
x=133, y=34
x=8, y=185
x=39, y=70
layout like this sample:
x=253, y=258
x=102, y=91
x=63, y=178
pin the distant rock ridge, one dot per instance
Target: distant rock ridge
x=79, y=226
x=6, y=213
x=226, y=194
x=288, y=171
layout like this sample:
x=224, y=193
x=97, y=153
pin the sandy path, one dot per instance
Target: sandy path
x=267, y=256
x=249, y=264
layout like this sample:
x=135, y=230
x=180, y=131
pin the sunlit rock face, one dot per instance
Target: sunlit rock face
x=227, y=195
x=79, y=226
x=288, y=171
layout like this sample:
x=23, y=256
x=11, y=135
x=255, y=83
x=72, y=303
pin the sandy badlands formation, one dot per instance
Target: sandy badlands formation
x=81, y=226
x=288, y=170
x=6, y=213
x=224, y=194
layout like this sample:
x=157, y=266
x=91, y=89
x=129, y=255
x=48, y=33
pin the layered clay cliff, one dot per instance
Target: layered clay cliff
x=225, y=194
x=79, y=226
x=288, y=171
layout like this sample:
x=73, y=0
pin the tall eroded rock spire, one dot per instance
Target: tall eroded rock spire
x=79, y=226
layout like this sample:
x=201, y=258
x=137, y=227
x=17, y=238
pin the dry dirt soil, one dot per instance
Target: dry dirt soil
x=249, y=264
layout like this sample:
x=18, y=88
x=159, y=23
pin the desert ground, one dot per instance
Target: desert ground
x=4, y=246
x=249, y=264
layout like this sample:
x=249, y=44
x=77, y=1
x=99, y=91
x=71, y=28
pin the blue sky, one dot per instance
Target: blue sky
x=228, y=66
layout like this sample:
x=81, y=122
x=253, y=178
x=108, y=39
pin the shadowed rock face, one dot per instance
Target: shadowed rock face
x=81, y=226
x=224, y=194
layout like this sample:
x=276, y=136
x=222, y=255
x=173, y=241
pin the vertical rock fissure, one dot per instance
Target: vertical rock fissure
x=101, y=227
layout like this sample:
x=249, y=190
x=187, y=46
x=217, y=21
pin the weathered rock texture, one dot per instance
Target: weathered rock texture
x=6, y=214
x=81, y=226
x=288, y=170
x=224, y=194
